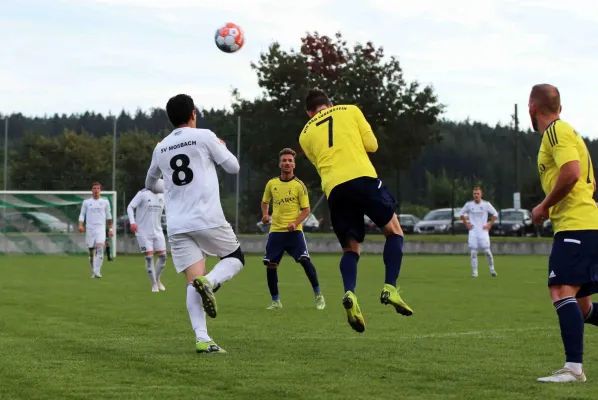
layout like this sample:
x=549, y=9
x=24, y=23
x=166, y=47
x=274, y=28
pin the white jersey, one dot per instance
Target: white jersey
x=145, y=210
x=95, y=213
x=478, y=213
x=187, y=159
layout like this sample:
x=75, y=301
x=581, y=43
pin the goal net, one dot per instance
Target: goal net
x=46, y=222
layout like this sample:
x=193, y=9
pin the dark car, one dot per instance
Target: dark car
x=441, y=221
x=408, y=222
x=514, y=222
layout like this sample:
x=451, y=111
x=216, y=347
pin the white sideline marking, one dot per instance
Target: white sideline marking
x=439, y=335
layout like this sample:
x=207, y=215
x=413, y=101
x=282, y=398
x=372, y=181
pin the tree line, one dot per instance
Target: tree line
x=427, y=161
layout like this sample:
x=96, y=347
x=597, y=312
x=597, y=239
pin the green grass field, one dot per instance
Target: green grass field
x=428, y=238
x=66, y=336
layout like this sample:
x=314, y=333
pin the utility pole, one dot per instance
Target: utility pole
x=517, y=152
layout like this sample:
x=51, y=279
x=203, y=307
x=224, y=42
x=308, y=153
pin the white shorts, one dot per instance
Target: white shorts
x=151, y=243
x=188, y=248
x=95, y=236
x=479, y=239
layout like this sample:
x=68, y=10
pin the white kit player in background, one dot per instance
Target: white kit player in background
x=95, y=212
x=477, y=211
x=187, y=160
x=145, y=218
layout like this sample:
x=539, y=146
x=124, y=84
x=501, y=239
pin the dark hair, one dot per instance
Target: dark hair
x=477, y=188
x=546, y=97
x=180, y=109
x=287, y=151
x=96, y=184
x=316, y=98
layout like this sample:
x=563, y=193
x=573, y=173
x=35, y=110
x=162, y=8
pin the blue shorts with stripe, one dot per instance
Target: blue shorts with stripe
x=574, y=261
x=292, y=242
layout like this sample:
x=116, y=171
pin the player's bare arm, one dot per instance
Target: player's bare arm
x=568, y=176
x=110, y=231
x=265, y=212
x=304, y=214
x=488, y=226
x=466, y=222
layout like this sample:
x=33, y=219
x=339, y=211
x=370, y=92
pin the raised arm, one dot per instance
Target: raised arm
x=370, y=143
x=221, y=155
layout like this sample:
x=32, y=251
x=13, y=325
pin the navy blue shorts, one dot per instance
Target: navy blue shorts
x=292, y=242
x=574, y=261
x=351, y=200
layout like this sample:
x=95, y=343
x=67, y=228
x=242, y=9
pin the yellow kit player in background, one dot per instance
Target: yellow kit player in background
x=336, y=140
x=290, y=207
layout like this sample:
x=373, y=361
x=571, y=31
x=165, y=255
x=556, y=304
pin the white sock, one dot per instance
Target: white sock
x=577, y=368
x=490, y=259
x=197, y=315
x=474, y=261
x=149, y=268
x=224, y=271
x=160, y=266
x=99, y=259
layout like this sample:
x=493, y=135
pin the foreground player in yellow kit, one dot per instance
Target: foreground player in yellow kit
x=336, y=140
x=567, y=177
x=290, y=207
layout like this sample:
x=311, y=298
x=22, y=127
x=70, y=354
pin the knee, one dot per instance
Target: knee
x=162, y=256
x=393, y=227
x=559, y=292
x=238, y=254
x=585, y=304
x=305, y=262
x=473, y=253
x=352, y=245
x=272, y=266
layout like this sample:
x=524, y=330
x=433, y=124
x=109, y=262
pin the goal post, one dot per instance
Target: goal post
x=46, y=222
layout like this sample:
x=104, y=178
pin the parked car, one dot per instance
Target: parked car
x=514, y=222
x=32, y=221
x=311, y=224
x=408, y=222
x=547, y=229
x=441, y=221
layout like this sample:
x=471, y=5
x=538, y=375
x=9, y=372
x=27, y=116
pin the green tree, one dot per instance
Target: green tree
x=134, y=155
x=68, y=162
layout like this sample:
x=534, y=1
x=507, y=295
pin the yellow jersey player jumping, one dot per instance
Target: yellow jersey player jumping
x=336, y=140
x=290, y=207
x=567, y=177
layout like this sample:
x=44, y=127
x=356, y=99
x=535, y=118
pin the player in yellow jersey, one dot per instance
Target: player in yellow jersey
x=567, y=177
x=336, y=140
x=290, y=207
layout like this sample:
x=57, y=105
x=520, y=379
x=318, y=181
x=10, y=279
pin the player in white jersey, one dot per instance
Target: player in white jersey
x=187, y=160
x=477, y=211
x=95, y=212
x=145, y=214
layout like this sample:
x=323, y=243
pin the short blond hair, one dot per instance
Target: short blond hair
x=287, y=151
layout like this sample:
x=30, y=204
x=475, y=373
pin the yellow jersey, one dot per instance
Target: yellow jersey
x=336, y=141
x=288, y=197
x=560, y=145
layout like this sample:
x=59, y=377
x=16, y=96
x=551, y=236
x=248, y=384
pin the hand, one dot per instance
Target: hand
x=81, y=228
x=265, y=219
x=133, y=228
x=487, y=227
x=469, y=226
x=110, y=232
x=539, y=214
x=292, y=226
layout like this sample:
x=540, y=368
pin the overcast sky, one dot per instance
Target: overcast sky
x=482, y=56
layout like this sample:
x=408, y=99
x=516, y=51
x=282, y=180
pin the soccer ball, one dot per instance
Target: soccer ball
x=229, y=38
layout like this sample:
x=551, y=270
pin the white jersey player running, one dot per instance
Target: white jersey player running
x=477, y=211
x=95, y=212
x=145, y=218
x=187, y=159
